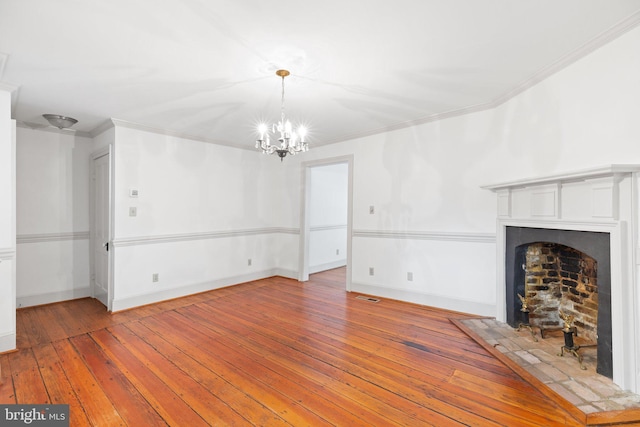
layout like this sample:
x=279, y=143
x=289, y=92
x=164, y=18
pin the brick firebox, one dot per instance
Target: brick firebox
x=560, y=278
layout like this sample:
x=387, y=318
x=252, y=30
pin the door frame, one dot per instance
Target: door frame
x=107, y=151
x=305, y=213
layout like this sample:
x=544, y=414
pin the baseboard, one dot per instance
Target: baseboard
x=51, y=297
x=289, y=274
x=7, y=343
x=448, y=303
x=327, y=266
x=167, y=294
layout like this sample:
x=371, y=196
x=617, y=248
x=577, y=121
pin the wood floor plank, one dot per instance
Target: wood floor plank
x=57, y=384
x=384, y=402
x=200, y=399
x=161, y=397
x=32, y=329
x=7, y=392
x=49, y=315
x=259, y=384
x=267, y=352
x=132, y=406
x=250, y=409
x=97, y=406
x=344, y=410
x=454, y=407
x=27, y=381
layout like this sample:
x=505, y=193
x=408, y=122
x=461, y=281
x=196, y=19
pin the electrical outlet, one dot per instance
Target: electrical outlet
x=155, y=277
x=372, y=210
x=337, y=251
x=133, y=211
x=410, y=276
x=249, y=261
x=370, y=271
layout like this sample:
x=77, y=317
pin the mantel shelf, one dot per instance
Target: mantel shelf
x=581, y=175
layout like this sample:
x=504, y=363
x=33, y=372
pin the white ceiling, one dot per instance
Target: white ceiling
x=206, y=68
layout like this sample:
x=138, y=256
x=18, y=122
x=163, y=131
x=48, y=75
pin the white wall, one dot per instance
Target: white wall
x=431, y=216
x=328, y=217
x=7, y=225
x=52, y=216
x=203, y=211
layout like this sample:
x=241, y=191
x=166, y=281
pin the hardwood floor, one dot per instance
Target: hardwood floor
x=270, y=352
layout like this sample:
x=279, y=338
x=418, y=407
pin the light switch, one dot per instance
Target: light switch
x=133, y=211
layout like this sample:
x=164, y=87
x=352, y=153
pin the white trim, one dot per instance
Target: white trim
x=448, y=303
x=327, y=266
x=108, y=151
x=283, y=272
x=305, y=182
x=429, y=235
x=101, y=128
x=168, y=238
x=53, y=129
x=7, y=254
x=7, y=342
x=52, y=237
x=169, y=132
x=8, y=87
x=579, y=175
x=564, y=61
x=623, y=337
x=602, y=39
x=194, y=288
x=51, y=297
x=328, y=227
x=416, y=122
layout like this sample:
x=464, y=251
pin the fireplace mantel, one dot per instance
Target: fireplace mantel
x=601, y=199
x=580, y=175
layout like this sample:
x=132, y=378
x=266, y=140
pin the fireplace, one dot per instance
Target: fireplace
x=562, y=271
x=592, y=218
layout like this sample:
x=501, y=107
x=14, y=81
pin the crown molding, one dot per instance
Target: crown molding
x=52, y=129
x=9, y=87
x=3, y=62
x=409, y=123
x=172, y=133
x=572, y=57
x=564, y=61
x=101, y=128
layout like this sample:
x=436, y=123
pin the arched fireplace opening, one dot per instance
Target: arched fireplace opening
x=562, y=271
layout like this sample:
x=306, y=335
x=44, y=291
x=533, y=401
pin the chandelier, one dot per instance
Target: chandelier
x=290, y=141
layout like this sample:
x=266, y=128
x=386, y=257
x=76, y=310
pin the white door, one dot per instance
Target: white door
x=100, y=242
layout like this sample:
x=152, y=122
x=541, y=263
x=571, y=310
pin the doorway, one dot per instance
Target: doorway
x=326, y=220
x=101, y=228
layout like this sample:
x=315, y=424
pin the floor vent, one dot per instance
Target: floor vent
x=362, y=297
